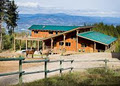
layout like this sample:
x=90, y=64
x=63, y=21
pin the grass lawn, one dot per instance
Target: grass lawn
x=92, y=77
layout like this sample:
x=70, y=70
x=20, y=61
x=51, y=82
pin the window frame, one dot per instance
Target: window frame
x=56, y=32
x=67, y=44
x=83, y=45
x=36, y=32
x=50, y=32
x=61, y=43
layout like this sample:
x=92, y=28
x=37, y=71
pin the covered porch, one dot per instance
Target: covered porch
x=99, y=41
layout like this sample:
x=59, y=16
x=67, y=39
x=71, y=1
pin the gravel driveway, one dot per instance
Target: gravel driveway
x=13, y=79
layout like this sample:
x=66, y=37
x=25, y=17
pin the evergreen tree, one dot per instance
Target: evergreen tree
x=11, y=17
x=2, y=11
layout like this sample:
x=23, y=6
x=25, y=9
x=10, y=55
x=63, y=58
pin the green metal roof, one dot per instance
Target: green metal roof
x=52, y=27
x=98, y=37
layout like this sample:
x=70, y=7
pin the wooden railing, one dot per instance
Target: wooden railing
x=45, y=71
x=46, y=61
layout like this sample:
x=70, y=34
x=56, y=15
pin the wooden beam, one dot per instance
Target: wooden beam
x=77, y=31
x=94, y=46
x=26, y=44
x=20, y=44
x=38, y=45
x=31, y=44
x=64, y=37
x=106, y=47
x=51, y=43
x=43, y=45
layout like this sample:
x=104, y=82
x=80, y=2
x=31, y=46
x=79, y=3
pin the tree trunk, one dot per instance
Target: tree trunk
x=0, y=34
x=1, y=19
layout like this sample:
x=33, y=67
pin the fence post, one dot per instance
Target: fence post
x=60, y=67
x=106, y=61
x=20, y=71
x=71, y=66
x=45, y=68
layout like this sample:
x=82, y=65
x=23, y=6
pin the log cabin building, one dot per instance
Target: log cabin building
x=71, y=38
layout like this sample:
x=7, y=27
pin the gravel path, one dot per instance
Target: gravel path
x=13, y=79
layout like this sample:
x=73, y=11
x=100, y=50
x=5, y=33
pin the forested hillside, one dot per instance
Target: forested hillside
x=109, y=30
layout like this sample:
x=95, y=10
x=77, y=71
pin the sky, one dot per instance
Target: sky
x=102, y=8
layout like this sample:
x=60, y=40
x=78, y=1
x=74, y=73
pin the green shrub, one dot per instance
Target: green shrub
x=101, y=71
x=7, y=42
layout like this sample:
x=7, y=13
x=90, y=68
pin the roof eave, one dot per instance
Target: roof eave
x=93, y=40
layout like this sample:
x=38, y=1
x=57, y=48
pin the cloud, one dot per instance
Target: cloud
x=52, y=6
x=27, y=4
x=96, y=13
x=52, y=10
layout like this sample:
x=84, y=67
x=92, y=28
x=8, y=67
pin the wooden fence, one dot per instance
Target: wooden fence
x=46, y=61
x=45, y=71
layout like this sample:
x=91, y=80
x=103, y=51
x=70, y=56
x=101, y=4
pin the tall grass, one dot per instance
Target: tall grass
x=93, y=77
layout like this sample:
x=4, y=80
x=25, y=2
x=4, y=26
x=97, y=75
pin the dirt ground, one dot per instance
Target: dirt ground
x=9, y=54
x=13, y=66
x=10, y=66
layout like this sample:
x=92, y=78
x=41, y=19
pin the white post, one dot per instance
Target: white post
x=94, y=46
x=77, y=40
x=64, y=36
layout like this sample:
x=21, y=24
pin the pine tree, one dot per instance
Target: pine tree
x=11, y=17
x=2, y=10
x=8, y=14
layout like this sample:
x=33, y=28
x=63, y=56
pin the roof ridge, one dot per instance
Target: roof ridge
x=57, y=25
x=52, y=27
x=86, y=32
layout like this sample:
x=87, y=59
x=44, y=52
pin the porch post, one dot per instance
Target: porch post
x=77, y=40
x=64, y=36
x=94, y=46
x=38, y=45
x=43, y=45
x=20, y=44
x=51, y=43
x=14, y=44
x=26, y=44
x=31, y=44
x=106, y=47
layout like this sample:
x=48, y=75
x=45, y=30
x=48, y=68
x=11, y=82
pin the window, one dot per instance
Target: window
x=56, y=32
x=36, y=32
x=73, y=37
x=67, y=44
x=83, y=45
x=54, y=43
x=50, y=32
x=61, y=43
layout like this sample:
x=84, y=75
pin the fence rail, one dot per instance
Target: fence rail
x=45, y=71
x=46, y=61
